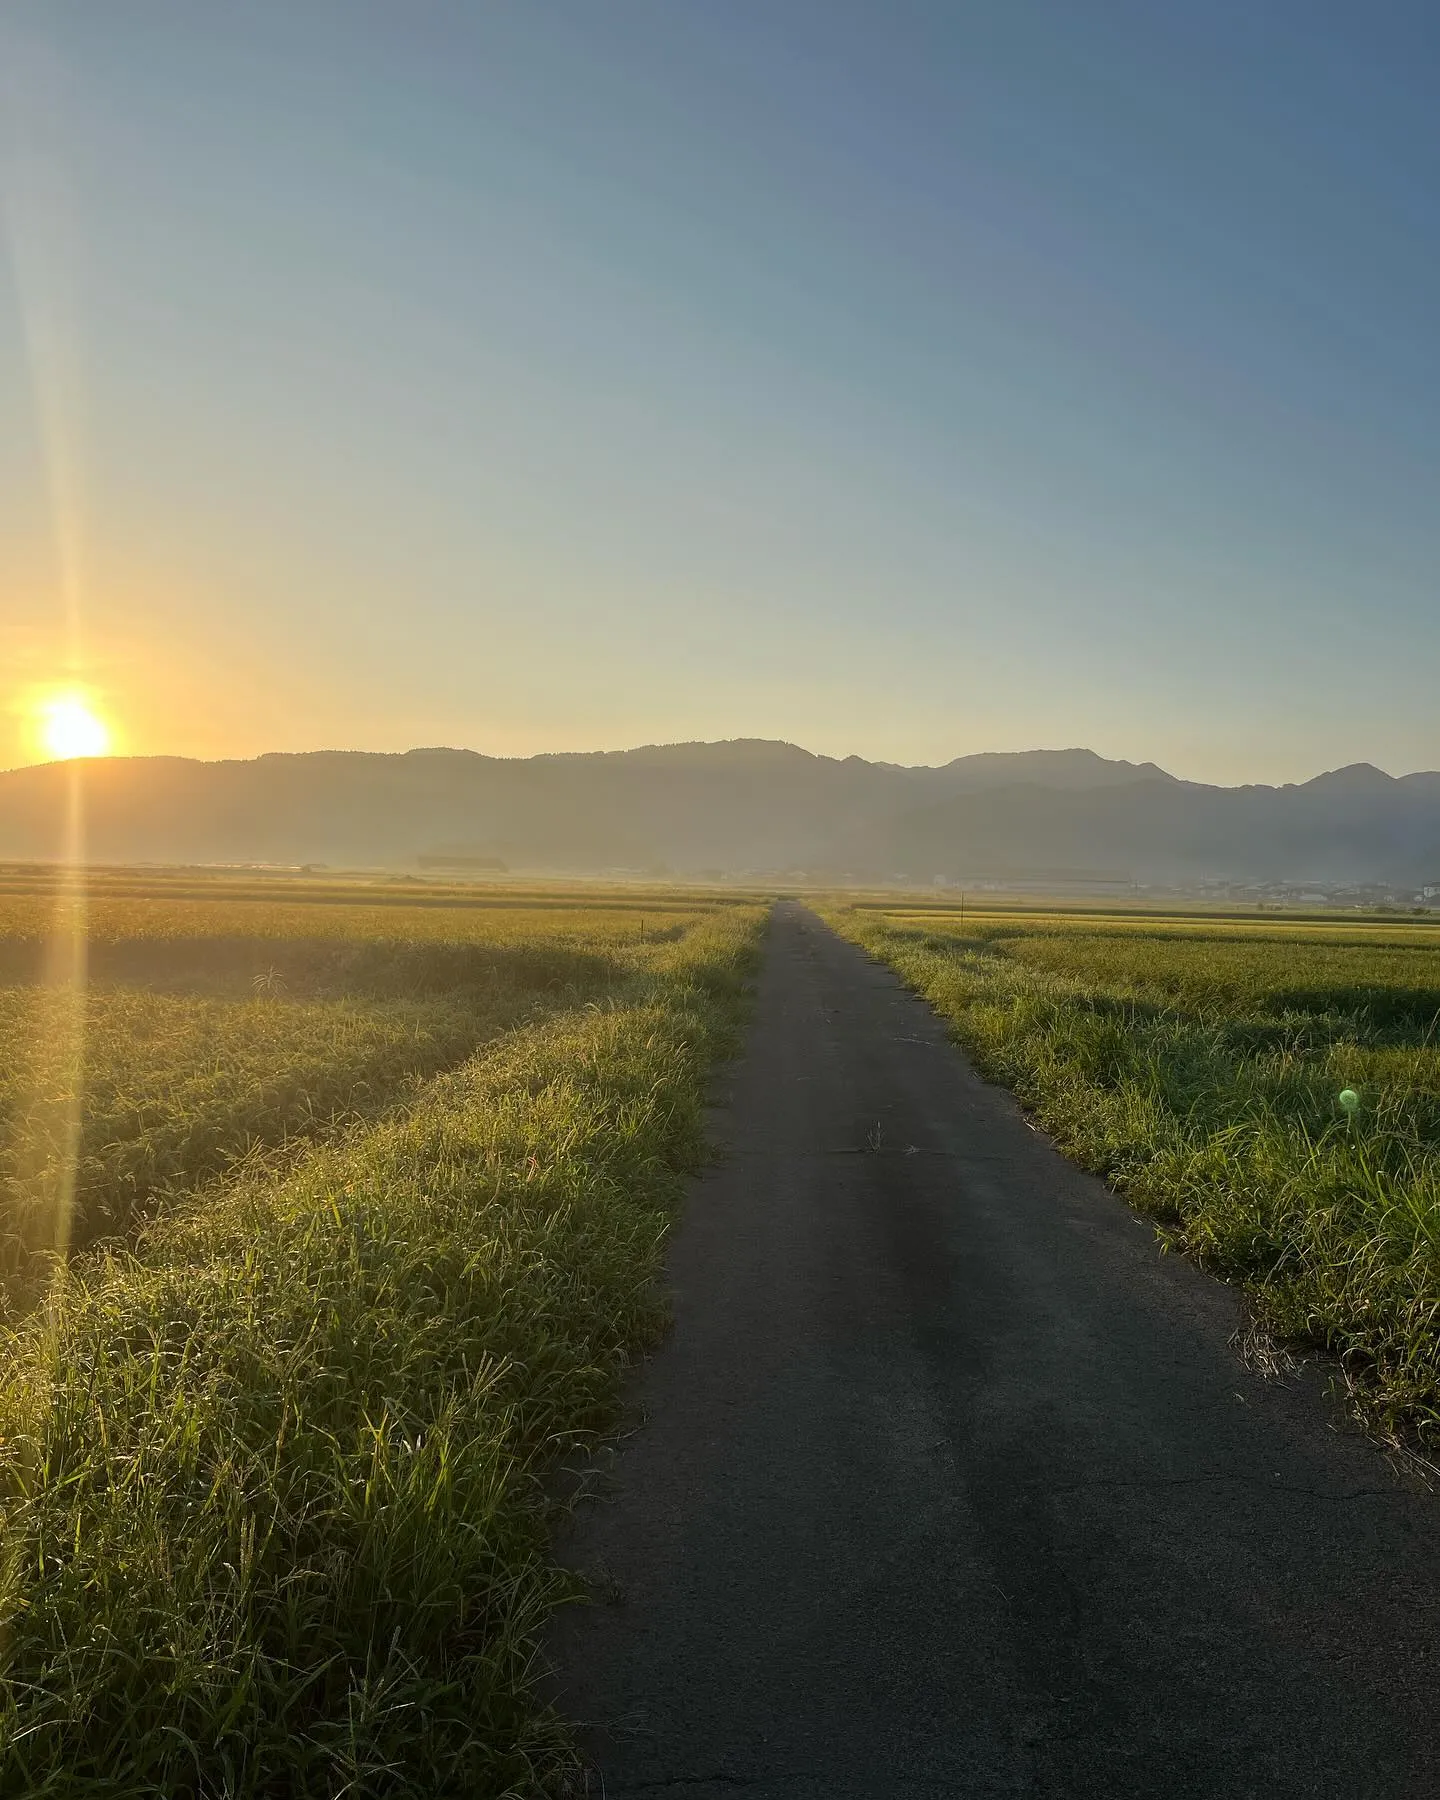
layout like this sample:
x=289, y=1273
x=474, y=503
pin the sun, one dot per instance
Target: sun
x=70, y=727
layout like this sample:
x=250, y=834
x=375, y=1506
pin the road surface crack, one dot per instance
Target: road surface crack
x=676, y=1783
x=1182, y=1481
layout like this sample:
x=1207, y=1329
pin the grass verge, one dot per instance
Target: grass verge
x=274, y=1504
x=1202, y=1081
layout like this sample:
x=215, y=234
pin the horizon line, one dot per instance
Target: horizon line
x=720, y=743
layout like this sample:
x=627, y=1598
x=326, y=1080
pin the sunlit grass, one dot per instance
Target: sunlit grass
x=213, y=1029
x=275, y=1465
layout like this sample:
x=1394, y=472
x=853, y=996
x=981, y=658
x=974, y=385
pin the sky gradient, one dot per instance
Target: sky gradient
x=905, y=379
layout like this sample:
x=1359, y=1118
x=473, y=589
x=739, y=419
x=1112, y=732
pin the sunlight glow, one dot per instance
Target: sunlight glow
x=70, y=728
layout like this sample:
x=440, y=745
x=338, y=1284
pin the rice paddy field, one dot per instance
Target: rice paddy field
x=1199, y=1065
x=330, y=1215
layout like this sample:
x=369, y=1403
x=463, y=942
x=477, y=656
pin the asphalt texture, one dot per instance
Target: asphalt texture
x=949, y=1483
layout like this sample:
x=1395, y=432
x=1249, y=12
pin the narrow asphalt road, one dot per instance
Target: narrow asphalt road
x=949, y=1484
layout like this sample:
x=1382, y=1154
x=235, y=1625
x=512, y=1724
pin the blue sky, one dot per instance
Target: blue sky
x=902, y=379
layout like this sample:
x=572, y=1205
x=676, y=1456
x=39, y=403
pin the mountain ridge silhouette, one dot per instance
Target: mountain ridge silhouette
x=748, y=804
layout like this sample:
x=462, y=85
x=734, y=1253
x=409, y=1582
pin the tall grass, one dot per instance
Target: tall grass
x=1200, y=1075
x=274, y=1480
x=202, y=1045
x=180, y=1089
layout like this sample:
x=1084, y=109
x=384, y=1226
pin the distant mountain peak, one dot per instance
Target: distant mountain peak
x=1352, y=778
x=746, y=751
x=1072, y=769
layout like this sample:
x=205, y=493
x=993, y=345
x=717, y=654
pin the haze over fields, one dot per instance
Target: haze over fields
x=736, y=807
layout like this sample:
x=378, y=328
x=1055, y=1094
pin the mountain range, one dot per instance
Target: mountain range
x=746, y=805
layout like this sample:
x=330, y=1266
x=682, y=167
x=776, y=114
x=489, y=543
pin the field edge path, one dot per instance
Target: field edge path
x=949, y=1483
